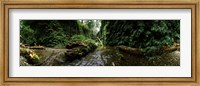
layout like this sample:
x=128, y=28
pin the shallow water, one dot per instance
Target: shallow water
x=109, y=56
x=97, y=58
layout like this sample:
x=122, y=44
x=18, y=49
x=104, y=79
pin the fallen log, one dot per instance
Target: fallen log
x=131, y=50
x=172, y=48
x=37, y=47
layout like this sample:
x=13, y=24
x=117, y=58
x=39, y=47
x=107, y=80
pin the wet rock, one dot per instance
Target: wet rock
x=30, y=55
x=23, y=61
x=76, y=50
x=97, y=58
x=75, y=44
x=55, y=59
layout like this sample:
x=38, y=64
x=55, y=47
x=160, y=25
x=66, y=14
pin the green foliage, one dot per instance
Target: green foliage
x=103, y=31
x=81, y=38
x=27, y=34
x=51, y=33
x=87, y=27
x=150, y=35
x=78, y=38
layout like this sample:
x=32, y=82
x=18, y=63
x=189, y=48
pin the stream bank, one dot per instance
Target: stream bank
x=105, y=56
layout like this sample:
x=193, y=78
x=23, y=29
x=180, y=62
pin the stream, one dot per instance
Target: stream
x=109, y=56
x=99, y=57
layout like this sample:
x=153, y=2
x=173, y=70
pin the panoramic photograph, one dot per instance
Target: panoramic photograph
x=99, y=43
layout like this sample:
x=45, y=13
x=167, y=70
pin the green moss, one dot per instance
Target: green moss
x=30, y=55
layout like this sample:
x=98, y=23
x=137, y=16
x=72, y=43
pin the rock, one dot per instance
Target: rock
x=172, y=48
x=76, y=53
x=77, y=50
x=23, y=61
x=113, y=64
x=55, y=59
x=30, y=55
x=22, y=45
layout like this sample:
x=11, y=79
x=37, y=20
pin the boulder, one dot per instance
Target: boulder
x=77, y=50
x=55, y=59
x=77, y=53
x=75, y=44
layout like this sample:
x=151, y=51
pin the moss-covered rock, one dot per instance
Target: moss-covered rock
x=30, y=55
x=79, y=49
x=75, y=44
